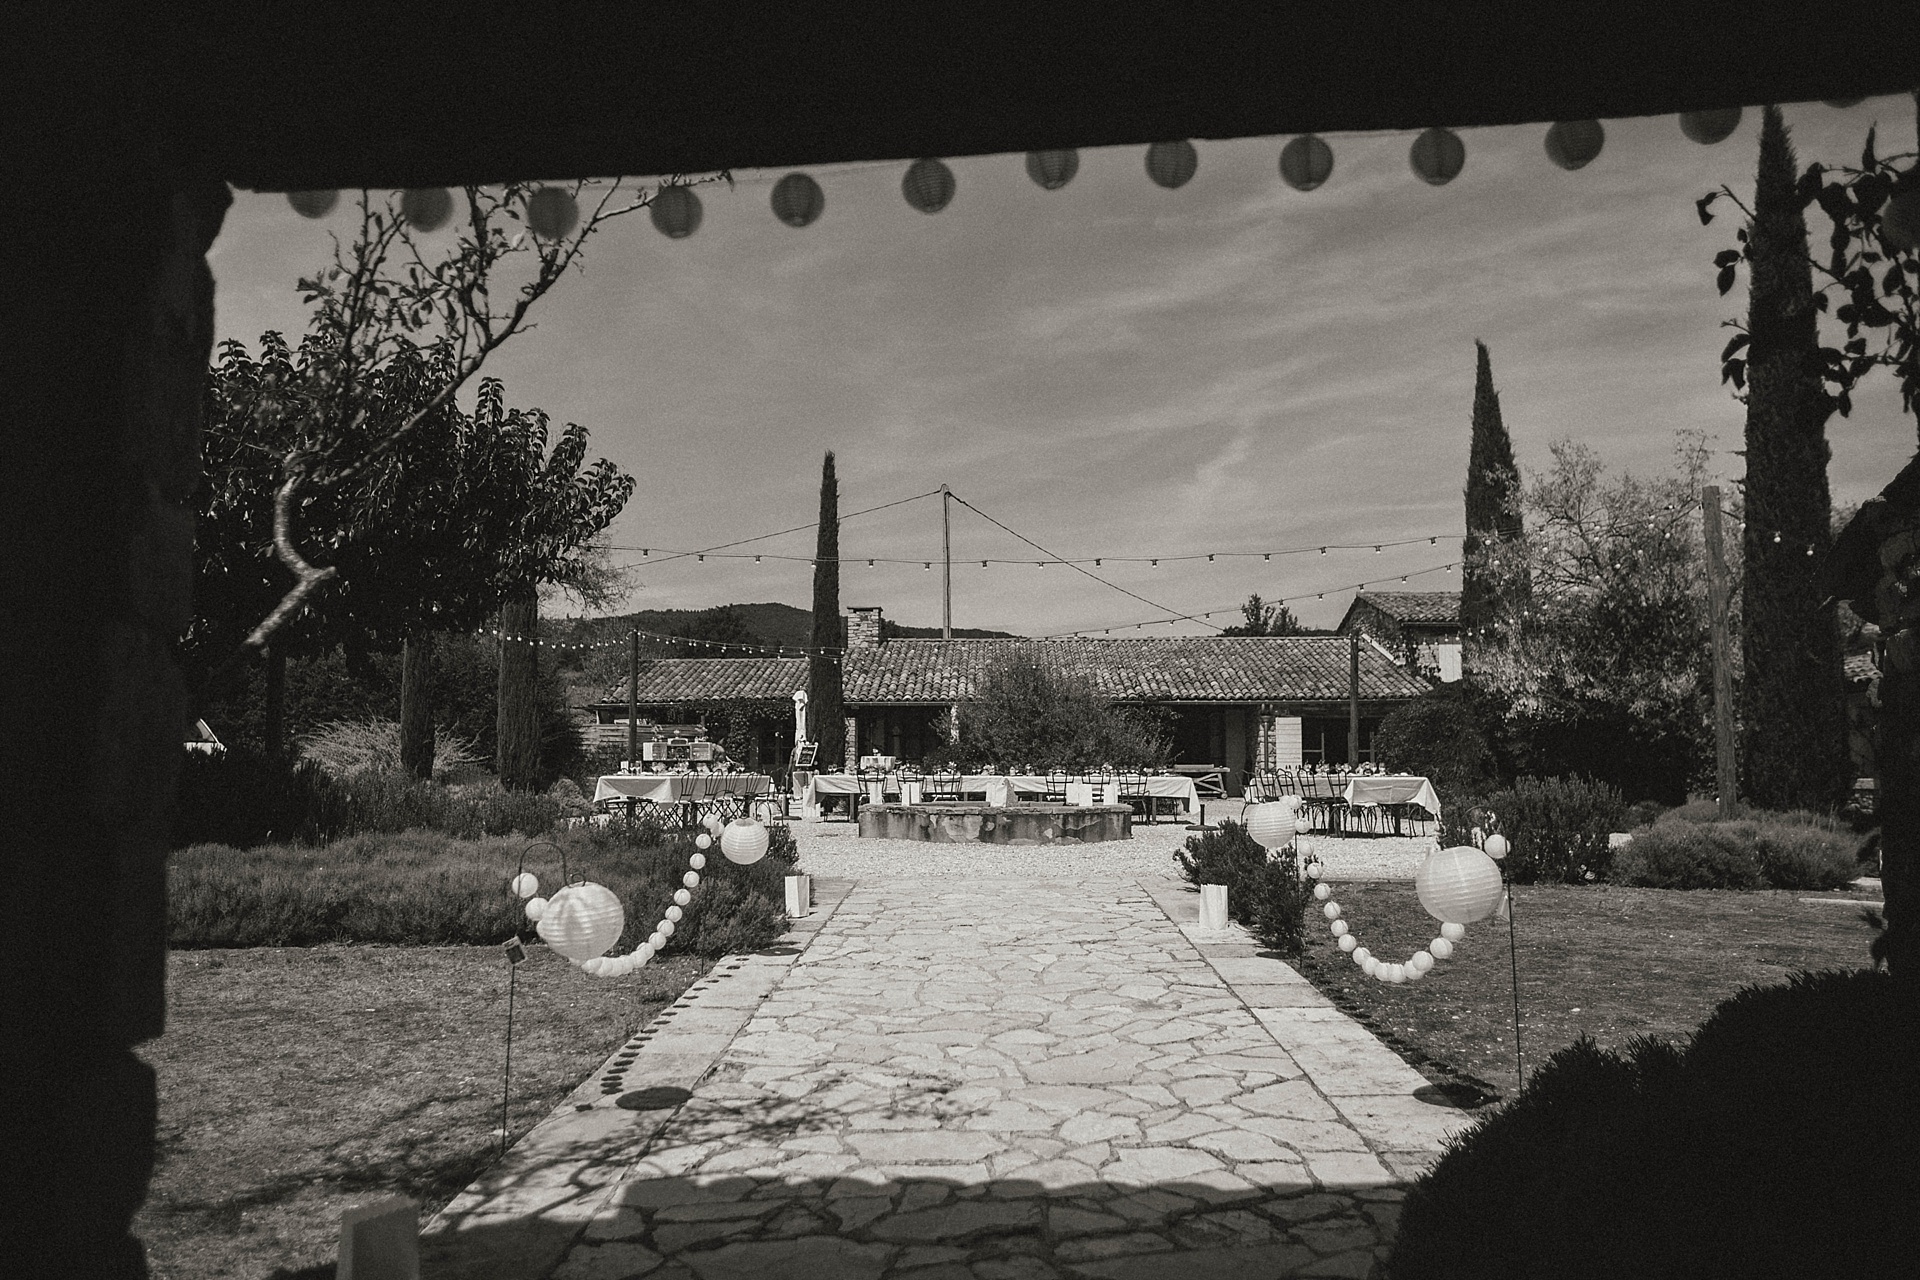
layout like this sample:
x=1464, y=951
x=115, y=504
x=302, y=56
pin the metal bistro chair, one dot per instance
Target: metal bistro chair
x=1133, y=792
x=1056, y=789
x=942, y=788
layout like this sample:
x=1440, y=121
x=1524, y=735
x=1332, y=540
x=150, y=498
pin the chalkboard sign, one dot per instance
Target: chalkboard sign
x=804, y=753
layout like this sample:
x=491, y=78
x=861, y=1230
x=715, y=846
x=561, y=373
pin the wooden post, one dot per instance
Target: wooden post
x=946, y=551
x=1353, y=701
x=633, y=702
x=1725, y=771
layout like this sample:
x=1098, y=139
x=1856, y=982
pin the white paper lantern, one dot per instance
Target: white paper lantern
x=1371, y=967
x=702, y=841
x=313, y=204
x=714, y=824
x=1270, y=824
x=676, y=212
x=536, y=907
x=525, y=885
x=1572, y=144
x=1338, y=928
x=427, y=208
x=1313, y=870
x=1497, y=847
x=1172, y=164
x=1331, y=911
x=1361, y=955
x=1348, y=942
x=1437, y=156
x=1458, y=885
x=1709, y=127
x=798, y=200
x=1322, y=892
x=1396, y=973
x=681, y=897
x=1441, y=948
x=666, y=928
x=698, y=861
x=657, y=940
x=644, y=952
x=744, y=841
x=1455, y=932
x=928, y=185
x=1412, y=974
x=552, y=213
x=691, y=879
x=1420, y=962
x=1053, y=169
x=1306, y=162
x=593, y=966
x=674, y=913
x=582, y=920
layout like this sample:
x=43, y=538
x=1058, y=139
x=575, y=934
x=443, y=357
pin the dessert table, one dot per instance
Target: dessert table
x=1392, y=789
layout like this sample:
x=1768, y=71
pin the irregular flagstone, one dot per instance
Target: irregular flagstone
x=970, y=1080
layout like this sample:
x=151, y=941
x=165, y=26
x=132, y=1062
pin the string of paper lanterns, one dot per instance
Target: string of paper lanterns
x=1436, y=156
x=1458, y=887
x=583, y=921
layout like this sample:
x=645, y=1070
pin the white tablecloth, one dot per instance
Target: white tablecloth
x=1393, y=789
x=670, y=788
x=999, y=789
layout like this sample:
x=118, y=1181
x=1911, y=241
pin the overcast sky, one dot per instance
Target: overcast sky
x=1116, y=369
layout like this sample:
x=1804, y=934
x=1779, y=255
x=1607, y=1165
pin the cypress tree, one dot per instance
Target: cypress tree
x=823, y=666
x=1793, y=696
x=516, y=747
x=1493, y=516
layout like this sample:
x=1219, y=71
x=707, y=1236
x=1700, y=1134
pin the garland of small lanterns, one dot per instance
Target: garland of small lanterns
x=583, y=920
x=1458, y=887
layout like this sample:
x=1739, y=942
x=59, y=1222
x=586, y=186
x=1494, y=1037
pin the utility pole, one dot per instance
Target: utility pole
x=633, y=701
x=1726, y=775
x=1353, y=700
x=946, y=551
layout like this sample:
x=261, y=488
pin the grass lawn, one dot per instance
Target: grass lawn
x=1608, y=962
x=295, y=1082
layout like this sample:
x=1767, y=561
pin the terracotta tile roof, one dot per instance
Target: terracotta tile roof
x=1156, y=669
x=1421, y=608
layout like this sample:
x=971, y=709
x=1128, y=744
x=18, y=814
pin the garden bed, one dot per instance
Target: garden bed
x=1601, y=960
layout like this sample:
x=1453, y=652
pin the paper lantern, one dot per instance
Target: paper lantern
x=666, y=928
x=1338, y=928
x=744, y=841
x=1900, y=219
x=1458, y=886
x=714, y=824
x=1395, y=973
x=1441, y=948
x=1331, y=911
x=1053, y=169
x=657, y=940
x=1322, y=892
x=525, y=885
x=1572, y=144
x=582, y=920
x=681, y=897
x=928, y=185
x=1497, y=847
x=1172, y=164
x=1370, y=966
x=1313, y=869
x=1271, y=824
x=1348, y=942
x=798, y=200
x=1306, y=162
x=313, y=204
x=427, y=208
x=1709, y=127
x=702, y=841
x=1455, y=932
x=1841, y=104
x=643, y=952
x=535, y=908
x=1420, y=961
x=1437, y=156
x=676, y=212
x=691, y=879
x=674, y=913
x=1361, y=955
x=1411, y=974
x=552, y=213
x=698, y=861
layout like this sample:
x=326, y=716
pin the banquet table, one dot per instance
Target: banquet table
x=996, y=788
x=688, y=793
x=1392, y=789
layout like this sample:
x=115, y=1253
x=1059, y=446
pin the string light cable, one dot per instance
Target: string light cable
x=666, y=554
x=1203, y=616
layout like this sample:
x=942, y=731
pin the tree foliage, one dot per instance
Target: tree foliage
x=1026, y=710
x=1493, y=514
x=824, y=701
x=1263, y=619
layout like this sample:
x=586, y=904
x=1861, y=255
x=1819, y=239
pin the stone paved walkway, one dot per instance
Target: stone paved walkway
x=960, y=1079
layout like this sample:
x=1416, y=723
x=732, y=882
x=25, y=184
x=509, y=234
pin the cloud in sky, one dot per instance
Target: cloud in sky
x=1116, y=369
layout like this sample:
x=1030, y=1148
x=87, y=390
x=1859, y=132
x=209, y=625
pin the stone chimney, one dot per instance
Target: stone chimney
x=863, y=626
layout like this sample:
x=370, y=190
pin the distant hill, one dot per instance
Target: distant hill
x=892, y=630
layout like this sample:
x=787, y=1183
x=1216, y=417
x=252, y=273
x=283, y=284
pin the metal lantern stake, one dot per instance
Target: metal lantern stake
x=797, y=200
x=1172, y=164
x=928, y=185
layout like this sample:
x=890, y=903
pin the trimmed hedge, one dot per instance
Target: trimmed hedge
x=1559, y=828
x=1779, y=1142
x=1264, y=891
x=423, y=888
x=1785, y=851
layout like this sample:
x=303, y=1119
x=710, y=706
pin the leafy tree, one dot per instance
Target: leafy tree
x=1793, y=732
x=1607, y=670
x=824, y=701
x=1026, y=710
x=1493, y=518
x=1263, y=619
